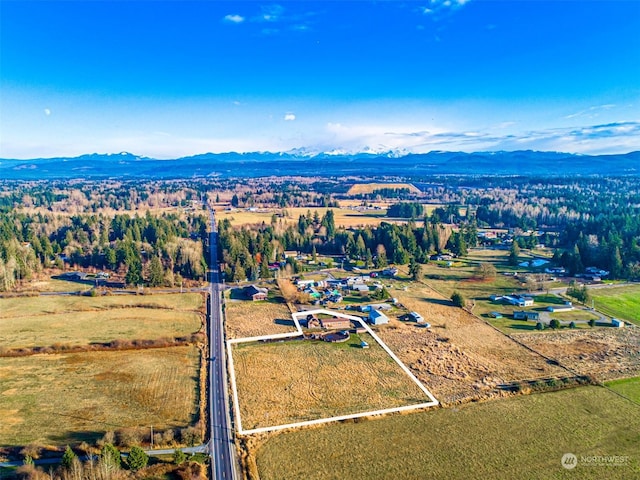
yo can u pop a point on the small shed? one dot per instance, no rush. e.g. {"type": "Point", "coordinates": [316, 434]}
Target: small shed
{"type": "Point", "coordinates": [495, 314]}
{"type": "Point", "coordinates": [416, 317]}
{"type": "Point", "coordinates": [617, 323]}
{"type": "Point", "coordinates": [364, 344]}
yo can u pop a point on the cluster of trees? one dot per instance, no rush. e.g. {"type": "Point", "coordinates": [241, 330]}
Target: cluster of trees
{"type": "Point", "coordinates": [156, 249]}
{"type": "Point", "coordinates": [406, 210]}
{"type": "Point", "coordinates": [248, 252]}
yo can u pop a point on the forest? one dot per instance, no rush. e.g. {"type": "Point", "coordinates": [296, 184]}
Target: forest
{"type": "Point", "coordinates": [152, 232]}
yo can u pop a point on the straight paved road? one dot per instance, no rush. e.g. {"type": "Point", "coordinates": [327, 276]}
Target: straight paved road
{"type": "Point", "coordinates": [223, 457]}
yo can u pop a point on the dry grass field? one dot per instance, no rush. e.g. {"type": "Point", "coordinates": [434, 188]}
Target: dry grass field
{"type": "Point", "coordinates": [69, 398]}
{"type": "Point", "coordinates": [84, 328]}
{"type": "Point", "coordinates": [295, 381]}
{"type": "Point", "coordinates": [47, 305]}
{"type": "Point", "coordinates": [251, 319]}
{"type": "Point", "coordinates": [74, 321]}
{"type": "Point", "coordinates": [605, 353]}
{"type": "Point", "coordinates": [459, 358]}
{"type": "Point", "coordinates": [518, 437]}
{"type": "Point", "coordinates": [364, 188]}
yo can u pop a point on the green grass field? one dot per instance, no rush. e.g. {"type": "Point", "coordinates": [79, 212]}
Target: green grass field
{"type": "Point", "coordinates": [518, 437]}
{"type": "Point", "coordinates": [69, 398]}
{"type": "Point", "coordinates": [629, 387]}
{"type": "Point", "coordinates": [619, 302]}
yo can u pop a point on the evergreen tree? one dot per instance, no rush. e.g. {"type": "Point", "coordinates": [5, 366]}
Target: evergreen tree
{"type": "Point", "coordinates": [110, 456]}
{"type": "Point", "coordinates": [156, 272]}
{"type": "Point", "coordinates": [137, 459]}
{"type": "Point", "coordinates": [514, 254]}
{"type": "Point", "coordinates": [68, 458]}
{"type": "Point", "coordinates": [179, 457]}
{"type": "Point", "coordinates": [415, 269]}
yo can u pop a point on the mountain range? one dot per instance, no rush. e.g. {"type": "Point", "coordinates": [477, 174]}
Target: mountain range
{"type": "Point", "coordinates": [258, 164]}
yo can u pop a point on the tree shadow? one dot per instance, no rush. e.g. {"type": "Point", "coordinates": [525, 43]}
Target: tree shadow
{"type": "Point", "coordinates": [438, 301]}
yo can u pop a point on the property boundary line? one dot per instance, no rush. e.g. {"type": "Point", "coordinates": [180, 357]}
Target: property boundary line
{"type": "Point", "coordinates": [296, 315]}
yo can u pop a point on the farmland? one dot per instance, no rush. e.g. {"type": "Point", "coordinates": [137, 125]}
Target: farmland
{"type": "Point", "coordinates": [468, 442]}
{"type": "Point", "coordinates": [620, 302]}
{"type": "Point", "coordinates": [68, 398]}
{"type": "Point", "coordinates": [365, 188]}
{"type": "Point", "coordinates": [628, 387]}
{"type": "Point", "coordinates": [250, 319]}
{"type": "Point", "coordinates": [294, 381]}
{"type": "Point", "coordinates": [460, 357]}
{"type": "Point", "coordinates": [74, 321]}
{"type": "Point", "coordinates": [605, 353]}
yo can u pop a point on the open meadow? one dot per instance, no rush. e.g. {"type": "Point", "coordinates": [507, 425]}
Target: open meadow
{"type": "Point", "coordinates": [460, 357]}
{"type": "Point", "coordinates": [628, 387]}
{"type": "Point", "coordinates": [244, 318]}
{"type": "Point", "coordinates": [75, 321]}
{"type": "Point", "coordinates": [69, 398]}
{"type": "Point", "coordinates": [519, 437]}
{"type": "Point", "coordinates": [604, 353]}
{"type": "Point", "coordinates": [619, 302]}
{"type": "Point", "coordinates": [294, 381]}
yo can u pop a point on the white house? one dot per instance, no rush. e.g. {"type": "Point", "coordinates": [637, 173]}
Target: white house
{"type": "Point", "coordinates": [376, 317]}
{"type": "Point", "coordinates": [617, 323]}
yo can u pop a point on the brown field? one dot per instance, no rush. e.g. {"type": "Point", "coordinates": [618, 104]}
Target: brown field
{"type": "Point", "coordinates": [47, 305]}
{"type": "Point", "coordinates": [519, 437]}
{"type": "Point", "coordinates": [69, 398]}
{"type": "Point", "coordinates": [460, 357]}
{"type": "Point", "coordinates": [84, 328]}
{"type": "Point", "coordinates": [245, 318]}
{"type": "Point", "coordinates": [295, 381]}
{"type": "Point", "coordinates": [605, 353]}
{"type": "Point", "coordinates": [363, 188]}
{"type": "Point", "coordinates": [74, 321]}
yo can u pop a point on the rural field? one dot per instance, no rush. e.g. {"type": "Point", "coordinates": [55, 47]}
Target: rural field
{"type": "Point", "coordinates": [245, 318]}
{"type": "Point", "coordinates": [605, 353]}
{"type": "Point", "coordinates": [69, 398]}
{"type": "Point", "coordinates": [75, 321]}
{"type": "Point", "coordinates": [47, 305]}
{"type": "Point", "coordinates": [365, 188]}
{"type": "Point", "coordinates": [295, 381]}
{"type": "Point", "coordinates": [460, 357]}
{"type": "Point", "coordinates": [468, 442]}
{"type": "Point", "coordinates": [628, 387]}
{"type": "Point", "coordinates": [619, 302]}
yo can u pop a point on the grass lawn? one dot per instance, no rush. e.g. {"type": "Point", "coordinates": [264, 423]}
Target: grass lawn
{"type": "Point", "coordinates": [629, 387]}
{"type": "Point", "coordinates": [518, 437]}
{"type": "Point", "coordinates": [69, 398]}
{"type": "Point", "coordinates": [619, 302]}
{"type": "Point", "coordinates": [296, 381]}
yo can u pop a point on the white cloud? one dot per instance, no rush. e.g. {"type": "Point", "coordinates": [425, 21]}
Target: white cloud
{"type": "Point", "coordinates": [234, 18]}
{"type": "Point", "coordinates": [591, 112]}
{"type": "Point", "coordinates": [47, 112]}
{"type": "Point", "coordinates": [289, 117]}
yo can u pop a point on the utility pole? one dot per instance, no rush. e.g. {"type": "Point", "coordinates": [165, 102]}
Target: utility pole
{"type": "Point", "coordinates": [151, 437]}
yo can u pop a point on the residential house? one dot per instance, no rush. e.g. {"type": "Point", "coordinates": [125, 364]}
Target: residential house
{"type": "Point", "coordinates": [255, 293]}
{"type": "Point", "coordinates": [524, 315]}
{"type": "Point", "coordinates": [335, 323]}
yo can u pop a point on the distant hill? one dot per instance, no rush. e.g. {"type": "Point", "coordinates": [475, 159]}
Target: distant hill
{"type": "Point", "coordinates": [126, 165]}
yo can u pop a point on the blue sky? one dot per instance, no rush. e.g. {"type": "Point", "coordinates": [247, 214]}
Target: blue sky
{"type": "Point", "coordinates": [168, 79]}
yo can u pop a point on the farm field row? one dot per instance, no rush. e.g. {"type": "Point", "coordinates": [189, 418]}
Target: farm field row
{"type": "Point", "coordinates": [69, 398]}
{"type": "Point", "coordinates": [468, 442]}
